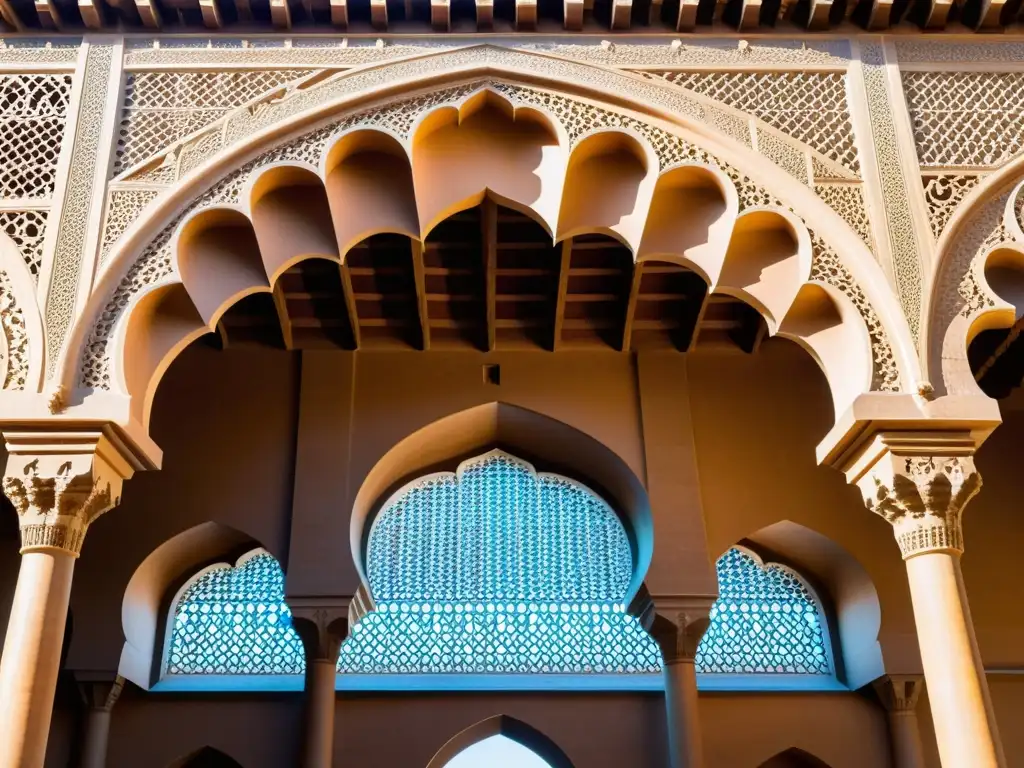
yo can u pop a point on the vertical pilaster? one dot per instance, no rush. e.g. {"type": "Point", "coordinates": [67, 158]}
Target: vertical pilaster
{"type": "Point", "coordinates": [899, 695]}
{"type": "Point", "coordinates": [78, 207]}
{"type": "Point", "coordinates": [893, 193]}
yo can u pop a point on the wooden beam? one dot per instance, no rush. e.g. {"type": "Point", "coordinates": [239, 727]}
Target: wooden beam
{"type": "Point", "coordinates": [92, 14]}
{"type": "Point", "coordinates": [441, 15]}
{"type": "Point", "coordinates": [871, 14]}
{"type": "Point", "coordinates": [281, 305]}
{"type": "Point", "coordinates": [339, 13]}
{"type": "Point", "coordinates": [526, 15]}
{"type": "Point", "coordinates": [211, 13]}
{"type": "Point", "coordinates": [10, 16]}
{"type": "Point", "coordinates": [281, 14]}
{"type": "Point", "coordinates": [937, 14]}
{"type": "Point", "coordinates": [484, 14]}
{"type": "Point", "coordinates": [819, 15]}
{"type": "Point", "coordinates": [419, 277]}
{"type": "Point", "coordinates": [350, 303]}
{"type": "Point", "coordinates": [379, 14]}
{"type": "Point", "coordinates": [622, 11]}
{"type": "Point", "coordinates": [654, 13]}
{"type": "Point", "coordinates": [634, 292]}
{"type": "Point", "coordinates": [687, 20]}
{"type": "Point", "coordinates": [489, 236]}
{"type": "Point", "coordinates": [573, 15]}
{"type": "Point", "coordinates": [563, 289]}
{"type": "Point", "coordinates": [750, 15]}
{"type": "Point", "coordinates": [48, 13]}
{"type": "Point", "coordinates": [149, 13]}
{"type": "Point", "coordinates": [989, 14]}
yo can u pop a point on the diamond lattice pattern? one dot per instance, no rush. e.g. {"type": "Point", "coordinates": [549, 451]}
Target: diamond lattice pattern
{"type": "Point", "coordinates": [234, 621]}
{"type": "Point", "coordinates": [162, 107]}
{"type": "Point", "coordinates": [765, 621]}
{"type": "Point", "coordinates": [33, 112]}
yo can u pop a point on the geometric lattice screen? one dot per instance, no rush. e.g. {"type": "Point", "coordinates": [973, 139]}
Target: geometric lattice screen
{"type": "Point", "coordinates": [496, 569]}
{"type": "Point", "coordinates": [765, 621]}
{"type": "Point", "coordinates": [234, 621]}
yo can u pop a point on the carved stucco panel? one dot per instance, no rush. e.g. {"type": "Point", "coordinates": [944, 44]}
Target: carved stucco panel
{"type": "Point", "coordinates": [154, 266]}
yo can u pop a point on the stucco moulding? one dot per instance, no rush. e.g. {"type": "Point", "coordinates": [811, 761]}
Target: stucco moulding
{"type": "Point", "coordinates": [347, 52]}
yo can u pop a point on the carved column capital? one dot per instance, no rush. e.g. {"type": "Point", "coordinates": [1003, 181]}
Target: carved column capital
{"type": "Point", "coordinates": [99, 692]}
{"type": "Point", "coordinates": [322, 624]}
{"type": "Point", "coordinates": [923, 498]}
{"type": "Point", "coordinates": [678, 625]}
{"type": "Point", "coordinates": [60, 482]}
{"type": "Point", "coordinates": [899, 693]}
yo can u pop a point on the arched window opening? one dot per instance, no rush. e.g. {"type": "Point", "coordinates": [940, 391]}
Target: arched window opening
{"type": "Point", "coordinates": [497, 571]}
{"type": "Point", "coordinates": [232, 621]}
{"type": "Point", "coordinates": [766, 623]}
{"type": "Point", "coordinates": [497, 752]}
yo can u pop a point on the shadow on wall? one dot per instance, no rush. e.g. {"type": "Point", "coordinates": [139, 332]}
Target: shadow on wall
{"type": "Point", "coordinates": [208, 757]}
{"type": "Point", "coordinates": [794, 758]}
{"type": "Point", "coordinates": [510, 728]}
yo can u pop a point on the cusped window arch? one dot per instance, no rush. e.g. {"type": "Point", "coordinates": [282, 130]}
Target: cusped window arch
{"type": "Point", "coordinates": [768, 628]}
{"type": "Point", "coordinates": [497, 570]}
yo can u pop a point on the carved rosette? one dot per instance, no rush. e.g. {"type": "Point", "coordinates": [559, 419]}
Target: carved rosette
{"type": "Point", "coordinates": [923, 498]}
{"type": "Point", "coordinates": [59, 484]}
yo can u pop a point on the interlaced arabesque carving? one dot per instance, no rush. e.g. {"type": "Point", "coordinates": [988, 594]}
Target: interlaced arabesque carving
{"type": "Point", "coordinates": [15, 337]}
{"type": "Point", "coordinates": [162, 107]}
{"type": "Point", "coordinates": [33, 112]}
{"type": "Point", "coordinates": [943, 192]}
{"type": "Point", "coordinates": [155, 265]}
{"type": "Point", "coordinates": [765, 621]}
{"type": "Point", "coordinates": [906, 263]}
{"type": "Point", "coordinates": [27, 229]}
{"type": "Point", "coordinates": [234, 621]}
{"type": "Point", "coordinates": [74, 220]}
{"type": "Point", "coordinates": [848, 201]}
{"type": "Point", "coordinates": [123, 207]}
{"type": "Point", "coordinates": [966, 118]}
{"type": "Point", "coordinates": [807, 106]}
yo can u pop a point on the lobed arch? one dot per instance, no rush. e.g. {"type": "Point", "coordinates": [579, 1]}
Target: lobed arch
{"type": "Point", "coordinates": [510, 728]}
{"type": "Point", "coordinates": [521, 431]}
{"type": "Point", "coordinates": [170, 567]}
{"type": "Point", "coordinates": [828, 314]}
{"type": "Point", "coordinates": [970, 288]}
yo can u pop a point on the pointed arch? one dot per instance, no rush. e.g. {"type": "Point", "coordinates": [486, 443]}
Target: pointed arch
{"type": "Point", "coordinates": [794, 758]}
{"type": "Point", "coordinates": [510, 728]}
{"type": "Point", "coordinates": [320, 100]}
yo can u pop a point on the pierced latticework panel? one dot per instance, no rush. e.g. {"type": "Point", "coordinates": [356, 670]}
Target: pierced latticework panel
{"type": "Point", "coordinates": [966, 118]}
{"type": "Point", "coordinates": [162, 107]}
{"type": "Point", "coordinates": [123, 207]}
{"type": "Point", "coordinates": [807, 106]}
{"type": "Point", "coordinates": [33, 112]}
{"type": "Point", "coordinates": [26, 229]}
{"type": "Point", "coordinates": [943, 193]}
{"type": "Point", "coordinates": [234, 621]}
{"type": "Point", "coordinates": [498, 570]}
{"type": "Point", "coordinates": [765, 621]}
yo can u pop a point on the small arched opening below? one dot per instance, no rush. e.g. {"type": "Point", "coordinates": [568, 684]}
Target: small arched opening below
{"type": "Point", "coordinates": [500, 742]}
{"type": "Point", "coordinates": [207, 757]}
{"type": "Point", "coordinates": [794, 758]}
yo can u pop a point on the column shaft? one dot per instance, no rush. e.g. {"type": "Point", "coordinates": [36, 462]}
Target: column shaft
{"type": "Point", "coordinates": [97, 731]}
{"type": "Point", "coordinates": [907, 751]}
{"type": "Point", "coordinates": [957, 691]}
{"type": "Point", "coordinates": [31, 655]}
{"type": "Point", "coordinates": [684, 742]}
{"type": "Point", "coordinates": [320, 699]}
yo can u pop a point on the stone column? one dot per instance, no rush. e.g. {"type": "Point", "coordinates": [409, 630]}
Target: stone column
{"type": "Point", "coordinates": [678, 629]}
{"type": "Point", "coordinates": [899, 695]}
{"type": "Point", "coordinates": [59, 483]}
{"type": "Point", "coordinates": [923, 496]}
{"type": "Point", "coordinates": [322, 623]}
{"type": "Point", "coordinates": [99, 697]}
